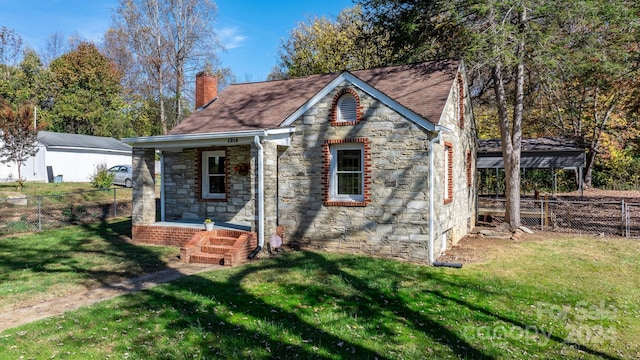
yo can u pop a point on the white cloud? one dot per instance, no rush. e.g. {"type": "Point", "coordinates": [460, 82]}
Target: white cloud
{"type": "Point", "coordinates": [230, 37]}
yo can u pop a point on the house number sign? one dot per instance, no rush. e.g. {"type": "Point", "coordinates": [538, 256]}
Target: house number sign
{"type": "Point", "coordinates": [232, 140]}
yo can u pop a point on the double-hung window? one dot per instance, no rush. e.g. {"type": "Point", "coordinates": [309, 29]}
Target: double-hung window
{"type": "Point", "coordinates": [347, 172]}
{"type": "Point", "coordinates": [214, 178]}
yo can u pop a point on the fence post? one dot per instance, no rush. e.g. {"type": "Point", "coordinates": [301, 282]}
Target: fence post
{"type": "Point", "coordinates": [39, 213]}
{"type": "Point", "coordinates": [542, 217]}
{"type": "Point", "coordinates": [627, 219]}
{"type": "Point", "coordinates": [623, 218]}
{"type": "Point", "coordinates": [114, 203]}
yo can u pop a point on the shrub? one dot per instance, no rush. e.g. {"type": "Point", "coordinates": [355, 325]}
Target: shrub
{"type": "Point", "coordinates": [102, 178]}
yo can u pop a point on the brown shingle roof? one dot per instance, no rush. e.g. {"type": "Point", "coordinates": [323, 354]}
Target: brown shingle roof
{"type": "Point", "coordinates": [422, 88]}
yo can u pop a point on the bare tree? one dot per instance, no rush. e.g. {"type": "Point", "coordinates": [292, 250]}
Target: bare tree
{"type": "Point", "coordinates": [10, 46]}
{"type": "Point", "coordinates": [54, 47]}
{"type": "Point", "coordinates": [168, 38]}
{"type": "Point", "coordinates": [192, 42]}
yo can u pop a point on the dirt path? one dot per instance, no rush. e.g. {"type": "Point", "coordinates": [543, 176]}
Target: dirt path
{"type": "Point", "coordinates": [70, 302]}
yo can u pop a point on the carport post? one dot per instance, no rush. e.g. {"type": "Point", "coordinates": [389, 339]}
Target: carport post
{"type": "Point", "coordinates": [542, 215]}
{"type": "Point", "coordinates": [114, 203]}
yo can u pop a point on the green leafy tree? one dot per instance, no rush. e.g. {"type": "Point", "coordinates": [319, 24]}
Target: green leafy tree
{"type": "Point", "coordinates": [589, 76]}
{"type": "Point", "coordinates": [496, 39]}
{"type": "Point", "coordinates": [322, 45]}
{"type": "Point", "coordinates": [19, 136]}
{"type": "Point", "coordinates": [10, 51]}
{"type": "Point", "coordinates": [87, 98]}
{"type": "Point", "coordinates": [579, 60]}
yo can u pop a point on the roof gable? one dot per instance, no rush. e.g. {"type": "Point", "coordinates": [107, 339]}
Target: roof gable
{"type": "Point", "coordinates": [418, 91]}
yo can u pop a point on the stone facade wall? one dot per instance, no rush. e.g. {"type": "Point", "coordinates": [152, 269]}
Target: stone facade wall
{"type": "Point", "coordinates": [144, 190]}
{"type": "Point", "coordinates": [182, 191]}
{"type": "Point", "coordinates": [457, 218]}
{"type": "Point", "coordinates": [395, 221]}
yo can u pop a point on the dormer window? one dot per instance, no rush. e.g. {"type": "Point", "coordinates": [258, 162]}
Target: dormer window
{"type": "Point", "coordinates": [346, 108]}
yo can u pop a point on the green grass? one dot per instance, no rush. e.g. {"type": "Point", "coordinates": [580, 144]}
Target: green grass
{"type": "Point", "coordinates": [48, 264]}
{"type": "Point", "coordinates": [571, 297]}
{"type": "Point", "coordinates": [76, 191]}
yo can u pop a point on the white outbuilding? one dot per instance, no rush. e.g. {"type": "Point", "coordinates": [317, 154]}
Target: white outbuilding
{"type": "Point", "coordinates": [68, 158]}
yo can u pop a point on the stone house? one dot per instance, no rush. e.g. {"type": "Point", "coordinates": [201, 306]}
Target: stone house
{"type": "Point", "coordinates": [378, 161]}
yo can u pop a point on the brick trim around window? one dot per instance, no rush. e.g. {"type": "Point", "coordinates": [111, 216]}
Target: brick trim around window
{"type": "Point", "coordinates": [199, 174]}
{"type": "Point", "coordinates": [334, 108]}
{"type": "Point", "coordinates": [448, 164]}
{"type": "Point", "coordinates": [326, 172]}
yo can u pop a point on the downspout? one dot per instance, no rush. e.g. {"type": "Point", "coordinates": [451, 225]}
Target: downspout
{"type": "Point", "coordinates": [431, 195]}
{"type": "Point", "coordinates": [260, 198]}
{"type": "Point", "coordinates": [162, 211]}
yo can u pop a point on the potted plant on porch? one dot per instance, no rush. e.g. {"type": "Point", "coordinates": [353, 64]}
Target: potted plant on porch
{"type": "Point", "coordinates": [208, 224]}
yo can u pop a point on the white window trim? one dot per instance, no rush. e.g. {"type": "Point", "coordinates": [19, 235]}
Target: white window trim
{"type": "Point", "coordinates": [340, 117]}
{"type": "Point", "coordinates": [333, 168]}
{"type": "Point", "coordinates": [205, 174]}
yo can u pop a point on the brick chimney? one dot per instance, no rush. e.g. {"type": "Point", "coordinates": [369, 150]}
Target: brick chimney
{"type": "Point", "coordinates": [206, 88]}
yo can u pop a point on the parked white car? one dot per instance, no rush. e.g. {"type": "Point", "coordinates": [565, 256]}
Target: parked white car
{"type": "Point", "coordinates": [123, 175]}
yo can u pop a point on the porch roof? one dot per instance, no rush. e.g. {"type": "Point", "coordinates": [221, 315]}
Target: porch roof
{"type": "Point", "coordinates": [230, 138]}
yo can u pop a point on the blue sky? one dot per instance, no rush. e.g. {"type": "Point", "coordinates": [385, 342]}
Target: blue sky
{"type": "Point", "coordinates": [251, 30]}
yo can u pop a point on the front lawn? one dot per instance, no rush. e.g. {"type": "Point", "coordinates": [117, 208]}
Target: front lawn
{"type": "Point", "coordinates": [42, 266]}
{"type": "Point", "coordinates": [569, 297]}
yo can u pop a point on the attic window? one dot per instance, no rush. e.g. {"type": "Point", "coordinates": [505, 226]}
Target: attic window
{"type": "Point", "coordinates": [346, 108]}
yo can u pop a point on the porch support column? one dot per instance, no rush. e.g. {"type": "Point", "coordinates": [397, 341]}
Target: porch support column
{"type": "Point", "coordinates": [270, 188]}
{"type": "Point", "coordinates": [144, 189]}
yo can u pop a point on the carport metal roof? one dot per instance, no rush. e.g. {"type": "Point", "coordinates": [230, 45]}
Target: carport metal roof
{"type": "Point", "coordinates": [537, 153]}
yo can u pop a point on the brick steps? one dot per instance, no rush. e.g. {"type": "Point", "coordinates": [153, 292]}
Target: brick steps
{"type": "Point", "coordinates": [221, 247]}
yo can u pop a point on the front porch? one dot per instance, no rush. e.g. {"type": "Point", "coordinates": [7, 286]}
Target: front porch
{"type": "Point", "coordinates": [230, 179]}
{"type": "Point", "coordinates": [227, 244]}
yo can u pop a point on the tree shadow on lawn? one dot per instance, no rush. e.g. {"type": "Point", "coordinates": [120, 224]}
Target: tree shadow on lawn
{"type": "Point", "coordinates": [134, 260]}
{"type": "Point", "coordinates": [377, 310]}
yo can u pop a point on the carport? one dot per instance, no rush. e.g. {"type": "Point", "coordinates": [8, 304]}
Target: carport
{"type": "Point", "coordinates": [537, 153]}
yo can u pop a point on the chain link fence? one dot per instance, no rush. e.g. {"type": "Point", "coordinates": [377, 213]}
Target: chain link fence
{"type": "Point", "coordinates": [37, 213]}
{"type": "Point", "coordinates": [597, 217]}
{"type": "Point", "coordinates": [632, 220]}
